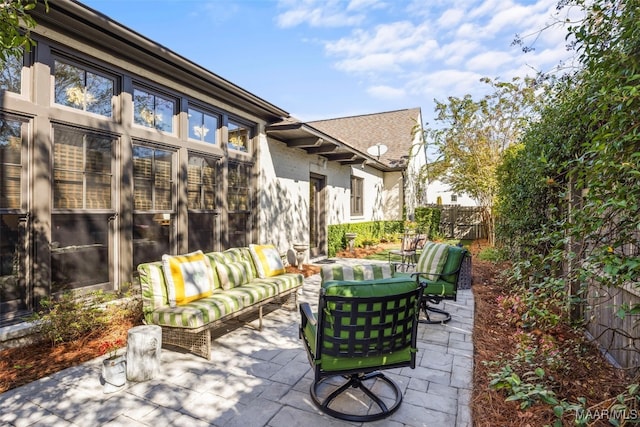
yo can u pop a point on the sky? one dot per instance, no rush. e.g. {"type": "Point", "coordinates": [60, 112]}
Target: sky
{"type": "Point", "coordinates": [321, 59]}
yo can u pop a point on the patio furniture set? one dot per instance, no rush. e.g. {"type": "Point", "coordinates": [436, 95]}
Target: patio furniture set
{"type": "Point", "coordinates": [365, 323]}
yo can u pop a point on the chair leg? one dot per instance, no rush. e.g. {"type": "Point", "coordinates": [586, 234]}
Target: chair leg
{"type": "Point", "coordinates": [357, 381]}
{"type": "Point", "coordinates": [443, 316]}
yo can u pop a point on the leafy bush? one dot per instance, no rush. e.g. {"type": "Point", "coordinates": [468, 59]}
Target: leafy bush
{"type": "Point", "coordinates": [70, 317]}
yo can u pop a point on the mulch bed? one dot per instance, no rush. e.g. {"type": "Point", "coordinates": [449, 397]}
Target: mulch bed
{"type": "Point", "coordinates": [588, 375]}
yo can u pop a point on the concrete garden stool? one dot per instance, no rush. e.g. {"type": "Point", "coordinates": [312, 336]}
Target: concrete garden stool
{"type": "Point", "coordinates": [143, 352]}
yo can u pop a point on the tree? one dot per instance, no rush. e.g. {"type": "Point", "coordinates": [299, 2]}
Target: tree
{"type": "Point", "coordinates": [15, 27]}
{"type": "Point", "coordinates": [474, 135]}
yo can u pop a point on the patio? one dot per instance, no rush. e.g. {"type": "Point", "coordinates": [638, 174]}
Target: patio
{"type": "Point", "coordinates": [254, 379]}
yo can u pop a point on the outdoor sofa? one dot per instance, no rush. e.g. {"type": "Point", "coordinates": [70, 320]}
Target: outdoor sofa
{"type": "Point", "coordinates": [188, 295]}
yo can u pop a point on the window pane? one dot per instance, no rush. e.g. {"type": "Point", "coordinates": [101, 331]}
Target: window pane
{"type": "Point", "coordinates": [13, 289]}
{"type": "Point", "coordinates": [78, 88]}
{"type": "Point", "coordinates": [11, 74]}
{"type": "Point", "coordinates": [153, 111]}
{"type": "Point", "coordinates": [67, 190]}
{"type": "Point", "coordinates": [142, 161]}
{"type": "Point", "coordinates": [143, 195]}
{"type": "Point", "coordinates": [196, 121]}
{"type": "Point", "coordinates": [81, 170]}
{"type": "Point", "coordinates": [69, 85]}
{"type": "Point", "coordinates": [152, 178]}
{"type": "Point", "coordinates": [98, 94]}
{"type": "Point", "coordinates": [151, 237]}
{"type": "Point", "coordinates": [98, 191]}
{"type": "Point", "coordinates": [202, 233]}
{"type": "Point", "coordinates": [98, 154]}
{"type": "Point", "coordinates": [202, 127]}
{"type": "Point", "coordinates": [80, 250]}
{"type": "Point", "coordinates": [201, 182]}
{"type": "Point", "coordinates": [143, 108]}
{"type": "Point", "coordinates": [10, 163]}
{"type": "Point", "coordinates": [164, 114]}
{"type": "Point", "coordinates": [238, 137]}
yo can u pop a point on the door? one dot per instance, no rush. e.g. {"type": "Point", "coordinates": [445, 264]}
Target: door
{"type": "Point", "coordinates": [317, 215]}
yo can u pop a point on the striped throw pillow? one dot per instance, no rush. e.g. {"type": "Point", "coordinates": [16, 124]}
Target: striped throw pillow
{"type": "Point", "coordinates": [267, 260]}
{"type": "Point", "coordinates": [233, 274]}
{"type": "Point", "coordinates": [355, 272]}
{"type": "Point", "coordinates": [189, 277]}
{"type": "Point", "coordinates": [432, 260]}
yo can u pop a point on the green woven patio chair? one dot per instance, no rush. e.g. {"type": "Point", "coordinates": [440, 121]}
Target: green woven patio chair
{"type": "Point", "coordinates": [361, 328]}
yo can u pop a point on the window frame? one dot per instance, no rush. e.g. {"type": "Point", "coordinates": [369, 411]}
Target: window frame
{"type": "Point", "coordinates": [357, 196]}
{"type": "Point", "coordinates": [156, 94]}
{"type": "Point", "coordinates": [205, 113]}
{"type": "Point", "coordinates": [84, 171]}
{"type": "Point", "coordinates": [240, 124]}
{"type": "Point", "coordinates": [86, 67]}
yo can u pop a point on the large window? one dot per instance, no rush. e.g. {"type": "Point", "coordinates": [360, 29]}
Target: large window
{"type": "Point", "coordinates": [80, 88]}
{"type": "Point", "coordinates": [202, 126]}
{"type": "Point", "coordinates": [83, 209]}
{"type": "Point", "coordinates": [356, 195]}
{"type": "Point", "coordinates": [239, 136]}
{"type": "Point", "coordinates": [82, 175]}
{"type": "Point", "coordinates": [11, 73]}
{"type": "Point", "coordinates": [201, 187]}
{"type": "Point", "coordinates": [153, 110]}
{"type": "Point", "coordinates": [153, 203]}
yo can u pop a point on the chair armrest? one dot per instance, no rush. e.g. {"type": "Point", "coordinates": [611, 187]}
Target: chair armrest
{"type": "Point", "coordinates": [306, 315]}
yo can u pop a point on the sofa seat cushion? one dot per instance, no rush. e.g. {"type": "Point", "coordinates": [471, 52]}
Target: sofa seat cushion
{"type": "Point", "coordinates": [436, 288]}
{"type": "Point", "coordinates": [223, 303]}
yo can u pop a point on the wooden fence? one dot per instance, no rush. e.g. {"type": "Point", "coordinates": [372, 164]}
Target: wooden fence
{"type": "Point", "coordinates": [618, 336]}
{"type": "Point", "coordinates": [461, 222]}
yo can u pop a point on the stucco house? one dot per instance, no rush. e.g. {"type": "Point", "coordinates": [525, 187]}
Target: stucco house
{"type": "Point", "coordinates": [115, 150]}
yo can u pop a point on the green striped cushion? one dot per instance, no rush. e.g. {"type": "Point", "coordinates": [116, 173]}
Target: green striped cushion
{"type": "Point", "coordinates": [355, 272]}
{"type": "Point", "coordinates": [432, 259]}
{"type": "Point", "coordinates": [152, 283]}
{"type": "Point", "coordinates": [223, 303]}
{"type": "Point", "coordinates": [232, 274]}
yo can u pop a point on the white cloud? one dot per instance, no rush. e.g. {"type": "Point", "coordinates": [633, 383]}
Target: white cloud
{"type": "Point", "coordinates": [386, 92]}
{"type": "Point", "coordinates": [489, 61]}
{"type": "Point", "coordinates": [323, 13]}
{"type": "Point", "coordinates": [417, 49]}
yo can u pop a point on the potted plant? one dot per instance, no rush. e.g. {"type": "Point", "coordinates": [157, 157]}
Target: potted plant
{"type": "Point", "coordinates": [114, 369]}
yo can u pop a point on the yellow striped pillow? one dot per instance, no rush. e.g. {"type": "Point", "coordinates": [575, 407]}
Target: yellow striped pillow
{"type": "Point", "coordinates": [189, 277]}
{"type": "Point", "coordinates": [267, 260]}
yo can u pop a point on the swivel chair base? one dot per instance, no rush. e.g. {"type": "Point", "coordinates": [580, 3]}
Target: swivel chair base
{"type": "Point", "coordinates": [441, 318]}
{"type": "Point", "coordinates": [357, 381]}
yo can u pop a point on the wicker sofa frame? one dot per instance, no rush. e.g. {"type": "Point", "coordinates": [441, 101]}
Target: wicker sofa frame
{"type": "Point", "coordinates": [189, 326]}
{"type": "Point", "coordinates": [198, 340]}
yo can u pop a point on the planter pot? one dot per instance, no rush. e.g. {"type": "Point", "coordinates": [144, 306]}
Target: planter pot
{"type": "Point", "coordinates": [114, 373]}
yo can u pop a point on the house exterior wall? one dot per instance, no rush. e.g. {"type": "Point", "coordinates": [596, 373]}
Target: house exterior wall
{"type": "Point", "coordinates": [393, 195]}
{"type": "Point", "coordinates": [283, 194]}
{"type": "Point", "coordinates": [440, 189]}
